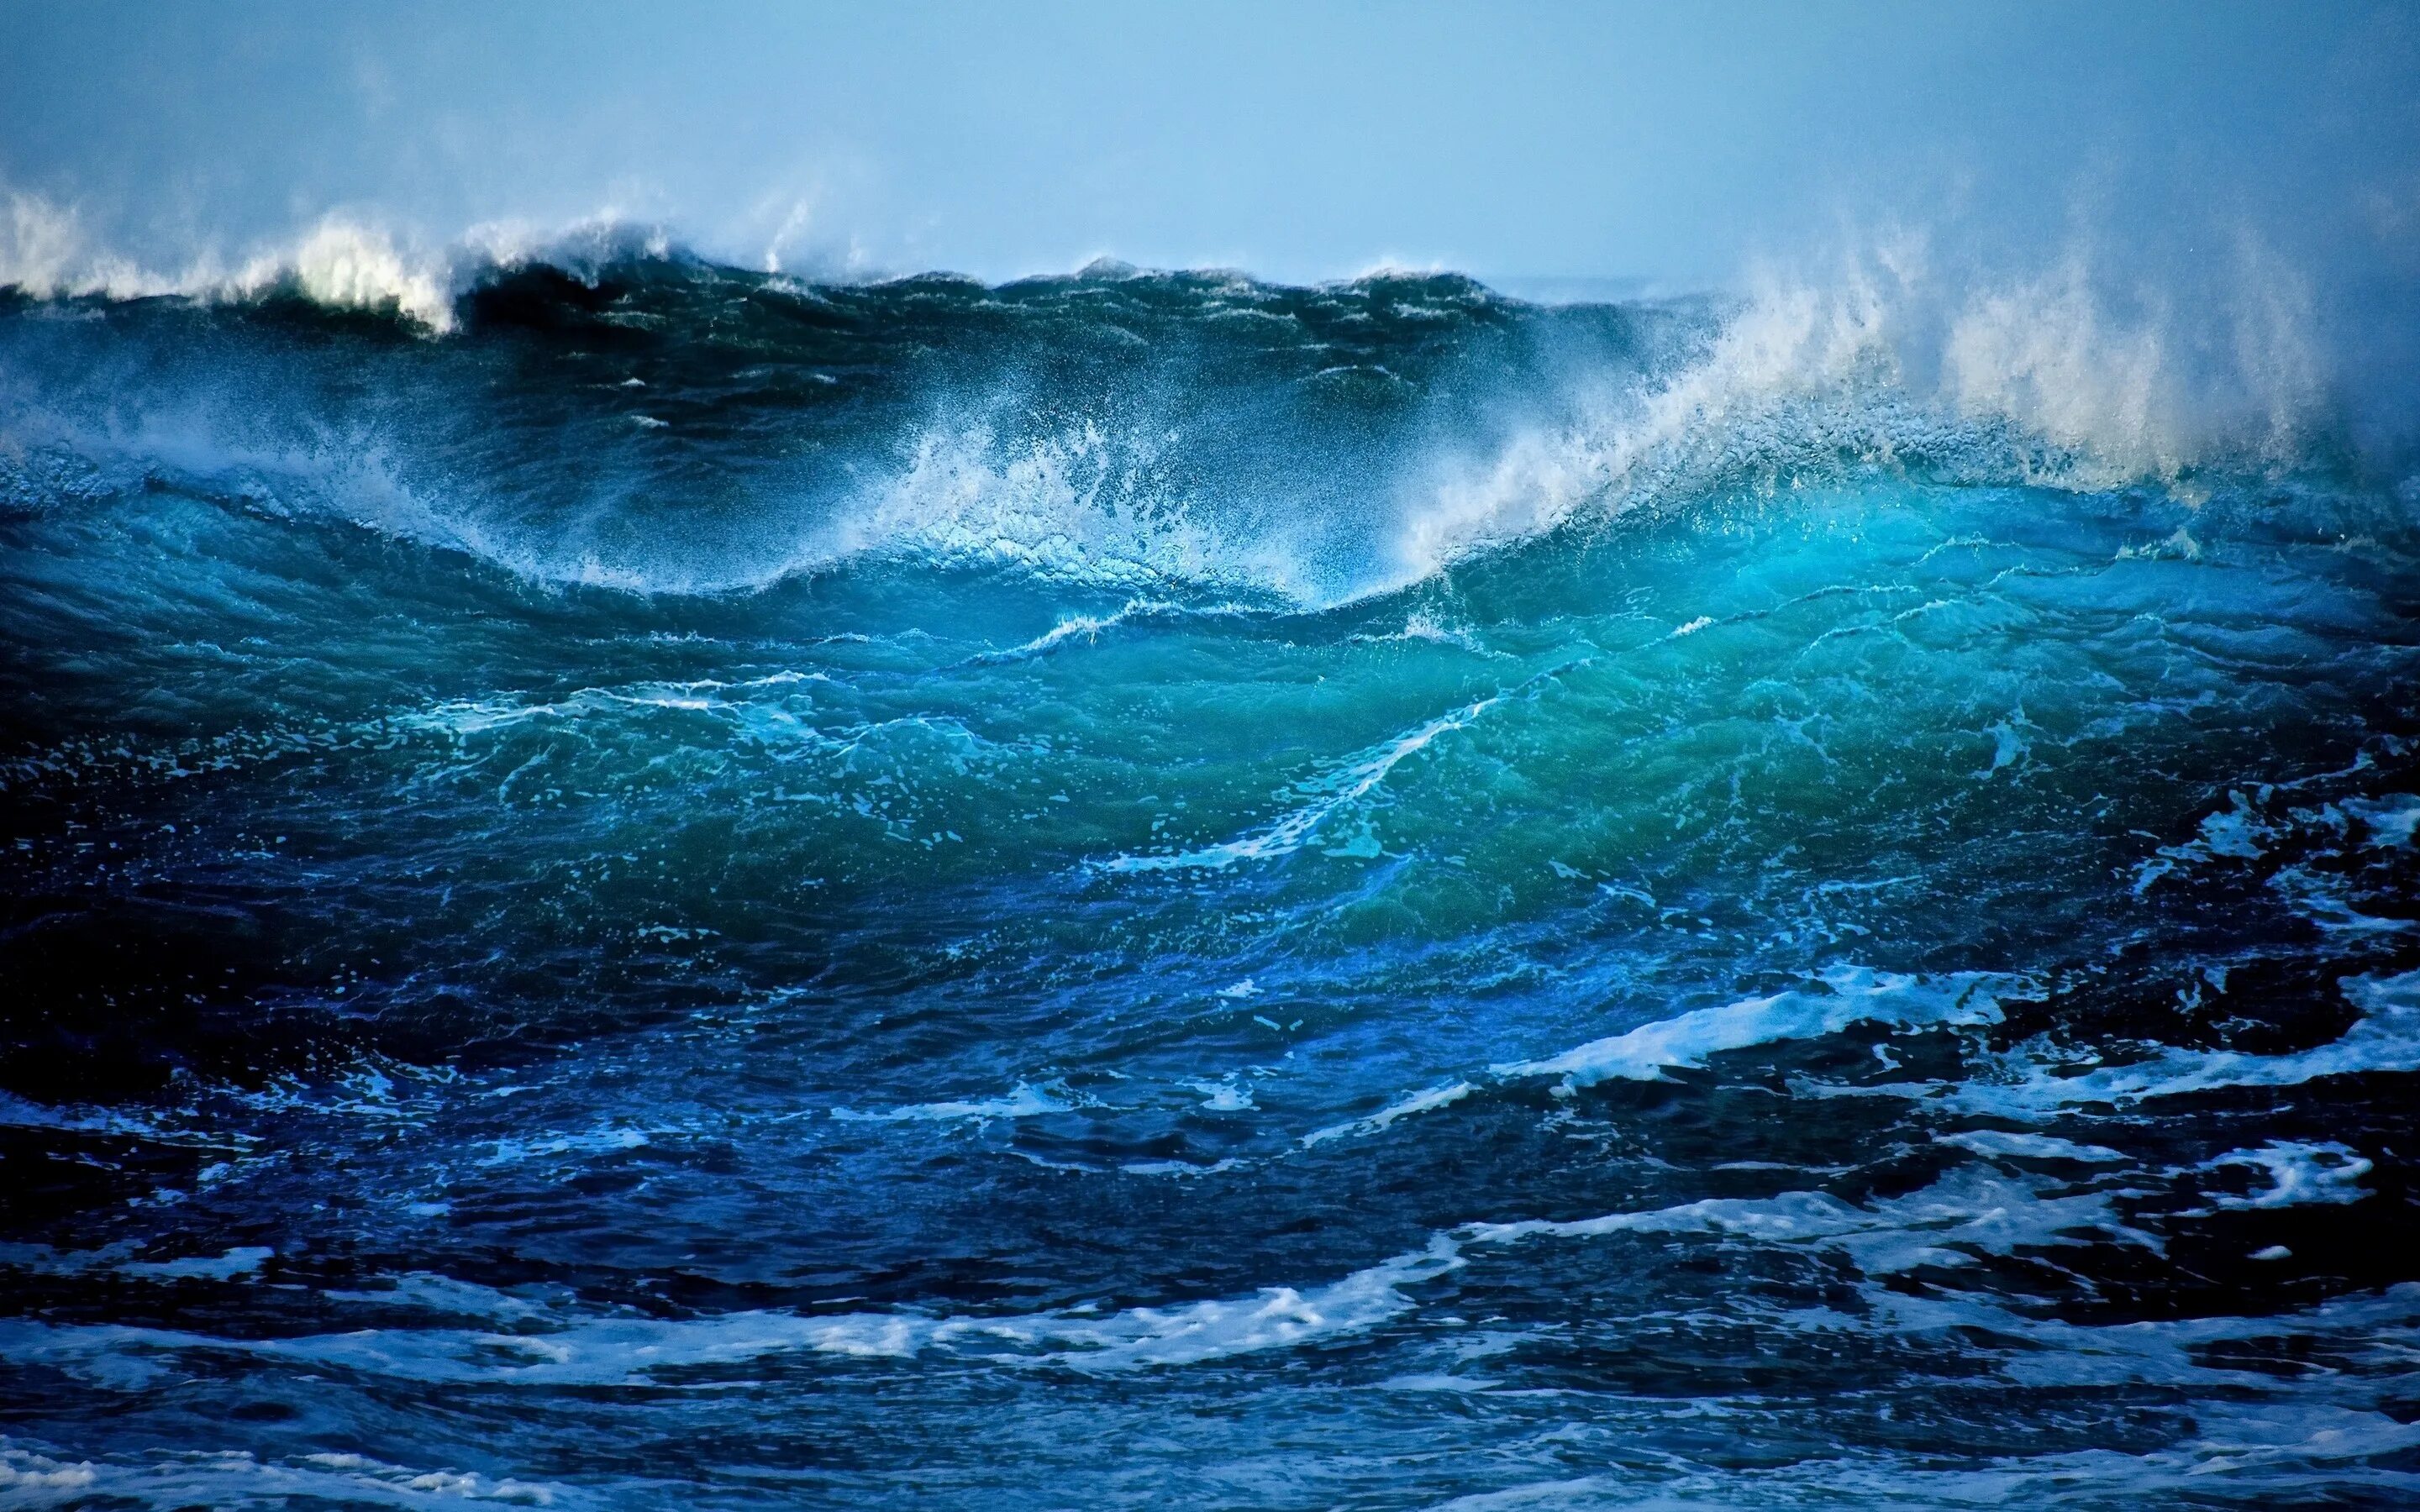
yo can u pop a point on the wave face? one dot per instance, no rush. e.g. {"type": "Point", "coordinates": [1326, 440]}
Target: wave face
{"type": "Point", "coordinates": [634, 884]}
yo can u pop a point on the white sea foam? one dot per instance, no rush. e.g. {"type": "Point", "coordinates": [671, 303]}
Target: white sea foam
{"type": "Point", "coordinates": [1378, 1122]}
{"type": "Point", "coordinates": [1350, 782]}
{"type": "Point", "coordinates": [1847, 995]}
{"type": "Point", "coordinates": [468, 718]}
{"type": "Point", "coordinates": [2297, 1172]}
{"type": "Point", "coordinates": [1969, 1209]}
{"type": "Point", "coordinates": [1087, 625]}
{"type": "Point", "coordinates": [33, 1480]}
{"type": "Point", "coordinates": [513, 1151]}
{"type": "Point", "coordinates": [345, 265]}
{"type": "Point", "coordinates": [1073, 504]}
{"type": "Point", "coordinates": [235, 1477]}
{"type": "Point", "coordinates": [2030, 1146]}
{"type": "Point", "coordinates": [1224, 1096]}
{"type": "Point", "coordinates": [2391, 820]}
{"type": "Point", "coordinates": [1090, 628]}
{"type": "Point", "coordinates": [613, 1350]}
{"type": "Point", "coordinates": [2385, 1039]}
{"type": "Point", "coordinates": [2045, 372]}
{"type": "Point", "coordinates": [2269, 1452]}
{"type": "Point", "coordinates": [1023, 1102]}
{"type": "Point", "coordinates": [426, 1290]}
{"type": "Point", "coordinates": [45, 251]}
{"type": "Point", "coordinates": [245, 1261]}
{"type": "Point", "coordinates": [342, 262]}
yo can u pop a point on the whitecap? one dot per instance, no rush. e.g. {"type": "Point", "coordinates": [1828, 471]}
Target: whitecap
{"type": "Point", "coordinates": [1847, 995]}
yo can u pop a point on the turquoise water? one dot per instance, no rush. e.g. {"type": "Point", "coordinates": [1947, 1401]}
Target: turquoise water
{"type": "Point", "coordinates": [701, 891]}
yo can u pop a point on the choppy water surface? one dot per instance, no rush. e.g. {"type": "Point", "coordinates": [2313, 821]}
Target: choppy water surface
{"type": "Point", "coordinates": [1144, 889]}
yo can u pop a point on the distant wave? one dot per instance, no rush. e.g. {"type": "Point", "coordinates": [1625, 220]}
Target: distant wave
{"type": "Point", "coordinates": [343, 262]}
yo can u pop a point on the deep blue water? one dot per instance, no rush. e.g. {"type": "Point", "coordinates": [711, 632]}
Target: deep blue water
{"type": "Point", "coordinates": [1137, 890]}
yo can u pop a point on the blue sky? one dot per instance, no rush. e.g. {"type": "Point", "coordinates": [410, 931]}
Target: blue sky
{"type": "Point", "coordinates": [1662, 142]}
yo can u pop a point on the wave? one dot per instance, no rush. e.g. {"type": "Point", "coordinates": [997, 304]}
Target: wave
{"type": "Point", "coordinates": [1142, 432]}
{"type": "Point", "coordinates": [1847, 995]}
{"type": "Point", "coordinates": [1974, 1211]}
{"type": "Point", "coordinates": [346, 261]}
{"type": "Point", "coordinates": [237, 1478]}
{"type": "Point", "coordinates": [340, 264]}
{"type": "Point", "coordinates": [2038, 379]}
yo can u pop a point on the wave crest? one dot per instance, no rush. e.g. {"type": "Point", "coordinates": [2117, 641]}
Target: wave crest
{"type": "Point", "coordinates": [340, 262]}
{"type": "Point", "coordinates": [2053, 376]}
{"type": "Point", "coordinates": [1126, 430]}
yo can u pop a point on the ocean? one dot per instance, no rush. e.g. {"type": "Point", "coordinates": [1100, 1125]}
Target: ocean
{"type": "Point", "coordinates": [637, 884]}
